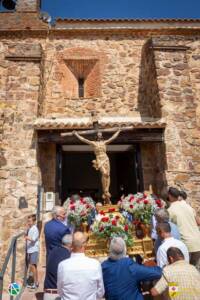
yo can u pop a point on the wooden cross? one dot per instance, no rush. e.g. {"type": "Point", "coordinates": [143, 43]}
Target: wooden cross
{"type": "Point", "coordinates": [96, 128]}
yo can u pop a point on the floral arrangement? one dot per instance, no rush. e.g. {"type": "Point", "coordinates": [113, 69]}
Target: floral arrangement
{"type": "Point", "coordinates": [141, 206]}
{"type": "Point", "coordinates": [111, 225]}
{"type": "Point", "coordinates": [80, 210]}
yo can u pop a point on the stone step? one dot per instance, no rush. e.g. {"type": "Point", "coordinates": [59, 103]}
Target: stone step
{"type": "Point", "coordinates": [29, 294]}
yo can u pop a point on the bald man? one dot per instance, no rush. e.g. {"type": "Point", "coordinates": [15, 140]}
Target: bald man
{"type": "Point", "coordinates": [80, 277]}
{"type": "Point", "coordinates": [55, 229]}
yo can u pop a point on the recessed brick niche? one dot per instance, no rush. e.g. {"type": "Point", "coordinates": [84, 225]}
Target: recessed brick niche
{"type": "Point", "coordinates": [81, 64]}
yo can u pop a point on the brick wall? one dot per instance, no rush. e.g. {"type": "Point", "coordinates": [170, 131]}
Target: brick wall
{"type": "Point", "coordinates": [76, 63]}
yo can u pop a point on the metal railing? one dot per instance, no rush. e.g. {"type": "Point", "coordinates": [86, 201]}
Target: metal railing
{"type": "Point", "coordinates": [12, 253]}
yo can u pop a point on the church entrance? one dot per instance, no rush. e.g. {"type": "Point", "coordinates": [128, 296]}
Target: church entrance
{"type": "Point", "coordinates": [76, 175]}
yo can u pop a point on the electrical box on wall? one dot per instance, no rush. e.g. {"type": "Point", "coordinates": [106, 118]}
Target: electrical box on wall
{"type": "Point", "coordinates": [49, 201]}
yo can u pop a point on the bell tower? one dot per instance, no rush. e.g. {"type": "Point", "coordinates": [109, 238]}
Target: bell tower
{"type": "Point", "coordinates": [28, 5]}
{"type": "Point", "coordinates": [22, 15]}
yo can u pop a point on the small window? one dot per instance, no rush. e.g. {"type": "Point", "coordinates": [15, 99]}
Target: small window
{"type": "Point", "coordinates": [81, 87]}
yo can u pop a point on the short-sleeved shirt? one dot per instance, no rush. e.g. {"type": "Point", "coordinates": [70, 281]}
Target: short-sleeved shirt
{"type": "Point", "coordinates": [161, 256]}
{"type": "Point", "coordinates": [33, 234]}
{"type": "Point", "coordinates": [183, 278]}
{"type": "Point", "coordinates": [174, 233]}
{"type": "Point", "coordinates": [183, 215]}
{"type": "Point", "coordinates": [122, 278]}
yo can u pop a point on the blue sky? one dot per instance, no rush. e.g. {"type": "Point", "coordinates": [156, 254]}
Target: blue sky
{"type": "Point", "coordinates": [122, 8]}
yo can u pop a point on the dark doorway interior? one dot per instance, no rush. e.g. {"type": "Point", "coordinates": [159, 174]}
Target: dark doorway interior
{"type": "Point", "coordinates": [77, 174]}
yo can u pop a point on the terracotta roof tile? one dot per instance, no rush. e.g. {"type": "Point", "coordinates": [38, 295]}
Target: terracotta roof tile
{"type": "Point", "coordinates": [108, 122]}
{"type": "Point", "coordinates": [128, 20]}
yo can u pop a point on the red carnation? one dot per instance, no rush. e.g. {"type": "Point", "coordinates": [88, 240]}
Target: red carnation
{"type": "Point", "coordinates": [117, 217]}
{"type": "Point", "coordinates": [102, 213]}
{"type": "Point", "coordinates": [132, 198]}
{"type": "Point", "coordinates": [105, 219]}
{"type": "Point", "coordinates": [131, 206]}
{"type": "Point", "coordinates": [101, 229]}
{"type": "Point", "coordinates": [72, 207]}
{"type": "Point", "coordinates": [144, 195]}
{"type": "Point", "coordinates": [138, 200]}
{"type": "Point", "coordinates": [114, 222]}
{"type": "Point", "coordinates": [159, 203]}
{"type": "Point", "coordinates": [146, 201]}
{"type": "Point", "coordinates": [111, 210]}
{"type": "Point", "coordinates": [126, 227]}
{"type": "Point", "coordinates": [87, 206]}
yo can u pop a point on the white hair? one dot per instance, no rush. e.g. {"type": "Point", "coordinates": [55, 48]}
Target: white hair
{"type": "Point", "coordinates": [67, 240]}
{"type": "Point", "coordinates": [117, 248]}
{"type": "Point", "coordinates": [56, 210]}
{"type": "Point", "coordinates": [162, 215]}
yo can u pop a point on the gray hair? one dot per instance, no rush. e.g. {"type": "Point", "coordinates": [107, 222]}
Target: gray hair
{"type": "Point", "coordinates": [56, 210]}
{"type": "Point", "coordinates": [117, 248]}
{"type": "Point", "coordinates": [162, 215]}
{"type": "Point", "coordinates": [67, 240]}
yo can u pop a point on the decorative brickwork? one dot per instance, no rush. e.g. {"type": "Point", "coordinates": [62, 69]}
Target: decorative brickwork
{"type": "Point", "coordinates": [80, 63]}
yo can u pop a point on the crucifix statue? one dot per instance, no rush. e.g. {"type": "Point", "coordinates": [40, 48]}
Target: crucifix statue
{"type": "Point", "coordinates": [101, 162]}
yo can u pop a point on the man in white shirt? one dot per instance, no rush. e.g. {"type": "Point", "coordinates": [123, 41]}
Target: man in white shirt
{"type": "Point", "coordinates": [80, 277]}
{"type": "Point", "coordinates": [164, 232]}
{"type": "Point", "coordinates": [184, 216]}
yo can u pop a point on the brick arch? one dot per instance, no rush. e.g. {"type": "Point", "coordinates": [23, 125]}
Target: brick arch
{"type": "Point", "coordinates": [74, 63]}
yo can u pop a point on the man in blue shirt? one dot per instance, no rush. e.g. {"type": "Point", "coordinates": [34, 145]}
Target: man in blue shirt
{"type": "Point", "coordinates": [57, 255]}
{"type": "Point", "coordinates": [122, 276]}
{"type": "Point", "coordinates": [55, 229]}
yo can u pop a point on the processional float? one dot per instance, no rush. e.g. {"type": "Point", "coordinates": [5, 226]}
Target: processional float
{"type": "Point", "coordinates": [99, 247]}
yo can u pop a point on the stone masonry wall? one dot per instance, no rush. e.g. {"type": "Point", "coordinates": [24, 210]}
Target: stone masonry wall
{"type": "Point", "coordinates": [119, 77]}
{"type": "Point", "coordinates": [148, 94]}
{"type": "Point", "coordinates": [169, 76]}
{"type": "Point", "coordinates": [19, 174]}
{"type": "Point", "coordinates": [179, 109]}
{"type": "Point", "coordinates": [135, 77]}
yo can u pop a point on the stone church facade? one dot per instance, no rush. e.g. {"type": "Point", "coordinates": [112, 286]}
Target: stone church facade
{"type": "Point", "coordinates": [139, 73]}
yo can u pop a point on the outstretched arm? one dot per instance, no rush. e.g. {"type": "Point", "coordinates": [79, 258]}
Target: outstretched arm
{"type": "Point", "coordinates": [115, 135]}
{"type": "Point", "coordinates": [82, 139]}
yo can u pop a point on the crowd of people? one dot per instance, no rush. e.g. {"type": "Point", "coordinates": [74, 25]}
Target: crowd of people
{"type": "Point", "coordinates": [71, 275]}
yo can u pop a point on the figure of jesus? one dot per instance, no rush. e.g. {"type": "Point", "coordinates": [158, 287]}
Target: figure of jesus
{"type": "Point", "coordinates": [102, 162]}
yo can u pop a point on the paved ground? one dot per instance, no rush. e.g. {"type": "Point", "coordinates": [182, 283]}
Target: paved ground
{"type": "Point", "coordinates": [37, 294]}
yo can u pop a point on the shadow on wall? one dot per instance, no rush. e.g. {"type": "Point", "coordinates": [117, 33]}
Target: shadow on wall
{"type": "Point", "coordinates": [148, 93]}
{"type": "Point", "coordinates": [154, 167]}
{"type": "Point", "coordinates": [149, 106]}
{"type": "Point", "coordinates": [3, 161]}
